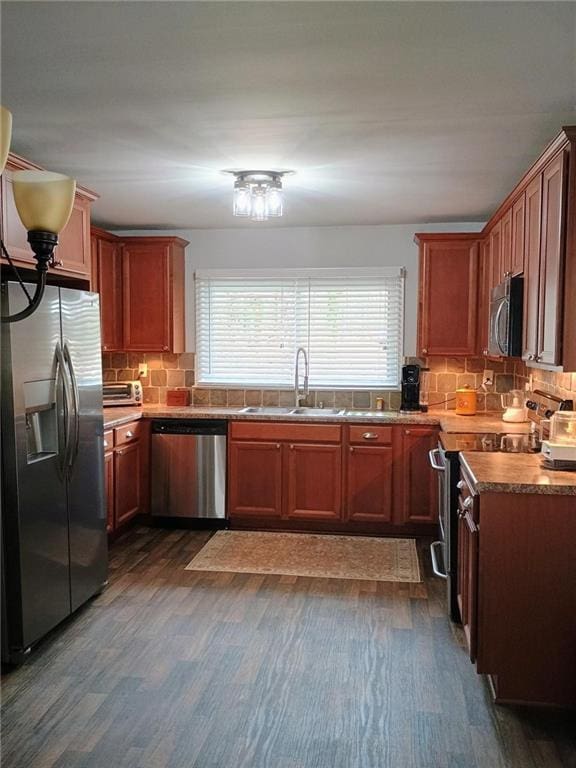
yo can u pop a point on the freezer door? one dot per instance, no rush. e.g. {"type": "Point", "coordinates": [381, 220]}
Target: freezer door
{"type": "Point", "coordinates": [86, 507]}
{"type": "Point", "coordinates": [35, 521]}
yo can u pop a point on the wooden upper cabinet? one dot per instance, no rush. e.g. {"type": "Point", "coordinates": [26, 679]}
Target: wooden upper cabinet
{"type": "Point", "coordinates": [73, 254]}
{"type": "Point", "coordinates": [107, 280]}
{"type": "Point", "coordinates": [552, 262]}
{"type": "Point", "coordinates": [532, 230]}
{"type": "Point", "coordinates": [448, 297]}
{"type": "Point", "coordinates": [496, 253]}
{"type": "Point", "coordinates": [518, 235]}
{"type": "Point", "coordinates": [153, 294]}
{"type": "Point", "coordinates": [484, 296]}
{"type": "Point", "coordinates": [506, 247]}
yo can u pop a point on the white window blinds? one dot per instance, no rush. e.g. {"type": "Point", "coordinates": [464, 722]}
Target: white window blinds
{"type": "Point", "coordinates": [250, 323]}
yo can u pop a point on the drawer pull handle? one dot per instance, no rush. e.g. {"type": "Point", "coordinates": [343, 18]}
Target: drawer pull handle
{"type": "Point", "coordinates": [129, 434]}
{"type": "Point", "coordinates": [370, 436]}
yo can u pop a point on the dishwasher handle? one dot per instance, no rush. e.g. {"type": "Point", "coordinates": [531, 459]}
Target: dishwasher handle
{"type": "Point", "coordinates": [189, 427]}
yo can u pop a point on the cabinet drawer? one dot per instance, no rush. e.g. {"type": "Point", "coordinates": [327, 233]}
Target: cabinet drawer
{"type": "Point", "coordinates": [317, 433]}
{"type": "Point", "coordinates": [127, 433]}
{"type": "Point", "coordinates": [370, 435]}
{"type": "Point", "coordinates": [108, 440]}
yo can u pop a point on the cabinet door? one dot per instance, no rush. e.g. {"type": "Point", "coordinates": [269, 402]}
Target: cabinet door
{"type": "Point", "coordinates": [518, 217]}
{"type": "Point", "coordinates": [72, 254]}
{"type": "Point", "coordinates": [448, 298]}
{"type": "Point", "coordinates": [484, 303]}
{"type": "Point", "coordinates": [467, 580]}
{"type": "Point", "coordinates": [369, 484]}
{"type": "Point", "coordinates": [109, 489]}
{"type": "Point", "coordinates": [420, 487]}
{"type": "Point", "coordinates": [496, 253]}
{"type": "Point", "coordinates": [533, 220]}
{"type": "Point", "coordinates": [254, 479]}
{"type": "Point", "coordinates": [551, 262]}
{"type": "Point", "coordinates": [127, 482]}
{"type": "Point", "coordinates": [506, 250]}
{"type": "Point", "coordinates": [110, 287]}
{"type": "Point", "coordinates": [147, 297]}
{"type": "Point", "coordinates": [314, 481]}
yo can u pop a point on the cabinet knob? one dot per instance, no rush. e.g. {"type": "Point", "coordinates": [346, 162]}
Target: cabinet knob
{"type": "Point", "coordinates": [104, 346]}
{"type": "Point", "coordinates": [291, 447]}
{"type": "Point", "coordinates": [56, 263]}
{"type": "Point", "coordinates": [105, 443]}
{"type": "Point", "coordinates": [351, 450]}
{"type": "Point", "coordinates": [424, 351]}
{"type": "Point", "coordinates": [120, 453]}
{"type": "Point", "coordinates": [278, 445]}
{"type": "Point", "coordinates": [129, 434]}
{"type": "Point", "coordinates": [407, 432]}
{"type": "Point", "coordinates": [165, 348]}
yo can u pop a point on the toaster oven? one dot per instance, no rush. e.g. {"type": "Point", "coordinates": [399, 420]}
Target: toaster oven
{"type": "Point", "coordinates": [122, 393]}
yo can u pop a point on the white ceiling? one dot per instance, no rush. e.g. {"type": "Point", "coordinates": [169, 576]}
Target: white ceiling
{"type": "Point", "coordinates": [388, 112]}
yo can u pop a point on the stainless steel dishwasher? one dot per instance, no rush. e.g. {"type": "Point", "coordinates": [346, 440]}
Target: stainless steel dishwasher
{"type": "Point", "coordinates": [188, 466]}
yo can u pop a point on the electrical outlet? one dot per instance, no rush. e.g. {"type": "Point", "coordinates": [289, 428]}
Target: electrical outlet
{"type": "Point", "coordinates": [488, 378]}
{"type": "Point", "coordinates": [142, 370]}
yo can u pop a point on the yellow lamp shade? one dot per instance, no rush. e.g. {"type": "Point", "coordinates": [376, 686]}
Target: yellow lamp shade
{"type": "Point", "coordinates": [5, 136]}
{"type": "Point", "coordinates": [43, 199]}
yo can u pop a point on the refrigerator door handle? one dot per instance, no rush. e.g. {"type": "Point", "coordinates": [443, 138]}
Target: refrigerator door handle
{"type": "Point", "coordinates": [67, 389]}
{"type": "Point", "coordinates": [76, 401]}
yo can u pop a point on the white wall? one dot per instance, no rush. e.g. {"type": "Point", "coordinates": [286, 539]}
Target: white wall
{"type": "Point", "coordinates": [350, 246]}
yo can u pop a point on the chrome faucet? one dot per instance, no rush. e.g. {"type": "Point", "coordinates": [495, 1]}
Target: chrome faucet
{"type": "Point", "coordinates": [297, 395]}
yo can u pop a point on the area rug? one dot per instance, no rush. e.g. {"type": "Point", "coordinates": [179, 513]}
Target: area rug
{"type": "Point", "coordinates": [304, 554]}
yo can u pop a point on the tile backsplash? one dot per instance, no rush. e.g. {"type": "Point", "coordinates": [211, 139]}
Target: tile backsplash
{"type": "Point", "coordinates": [169, 371]}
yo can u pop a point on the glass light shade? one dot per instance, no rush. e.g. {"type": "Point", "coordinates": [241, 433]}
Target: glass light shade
{"type": "Point", "coordinates": [5, 136]}
{"type": "Point", "coordinates": [44, 200]}
{"type": "Point", "coordinates": [242, 200]}
{"type": "Point", "coordinates": [274, 202]}
{"type": "Point", "coordinates": [259, 205]}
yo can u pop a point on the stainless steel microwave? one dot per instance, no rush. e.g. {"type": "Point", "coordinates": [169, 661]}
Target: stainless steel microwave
{"type": "Point", "coordinates": [506, 304]}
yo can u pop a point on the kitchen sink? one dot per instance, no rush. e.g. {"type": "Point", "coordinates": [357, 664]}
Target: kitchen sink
{"type": "Point", "coordinates": [272, 409]}
{"type": "Point", "coordinates": [370, 414]}
{"type": "Point", "coordinates": [317, 411]}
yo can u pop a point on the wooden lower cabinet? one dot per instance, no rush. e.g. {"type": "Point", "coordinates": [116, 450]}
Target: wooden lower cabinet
{"type": "Point", "coordinates": [255, 479]}
{"type": "Point", "coordinates": [334, 477]}
{"type": "Point", "coordinates": [109, 489]}
{"type": "Point", "coordinates": [419, 486]}
{"type": "Point", "coordinates": [126, 473]}
{"type": "Point", "coordinates": [369, 489]}
{"type": "Point", "coordinates": [126, 483]}
{"type": "Point", "coordinates": [516, 593]}
{"type": "Point", "coordinates": [314, 481]}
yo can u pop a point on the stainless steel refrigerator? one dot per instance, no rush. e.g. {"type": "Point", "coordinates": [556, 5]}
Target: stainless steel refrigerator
{"type": "Point", "coordinates": [53, 511]}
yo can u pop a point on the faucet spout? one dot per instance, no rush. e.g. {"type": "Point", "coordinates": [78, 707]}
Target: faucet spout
{"type": "Point", "coordinates": [299, 396]}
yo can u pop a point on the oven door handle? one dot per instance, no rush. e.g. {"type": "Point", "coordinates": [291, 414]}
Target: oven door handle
{"type": "Point", "coordinates": [435, 567]}
{"type": "Point", "coordinates": [433, 456]}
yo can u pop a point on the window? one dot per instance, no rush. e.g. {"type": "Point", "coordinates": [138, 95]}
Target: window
{"type": "Point", "coordinates": [250, 323]}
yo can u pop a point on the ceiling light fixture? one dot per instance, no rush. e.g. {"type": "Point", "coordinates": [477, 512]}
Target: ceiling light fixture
{"type": "Point", "coordinates": [258, 194]}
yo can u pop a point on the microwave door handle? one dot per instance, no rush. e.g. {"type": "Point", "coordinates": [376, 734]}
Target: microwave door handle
{"type": "Point", "coordinates": [76, 402]}
{"type": "Point", "coordinates": [67, 390]}
{"type": "Point", "coordinates": [497, 326]}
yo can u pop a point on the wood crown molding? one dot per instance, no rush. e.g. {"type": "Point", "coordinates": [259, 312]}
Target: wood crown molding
{"type": "Point", "coordinates": [430, 237]}
{"type": "Point", "coordinates": [19, 163]}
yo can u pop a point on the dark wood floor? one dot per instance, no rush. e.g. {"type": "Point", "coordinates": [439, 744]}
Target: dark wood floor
{"type": "Point", "coordinates": [175, 669]}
